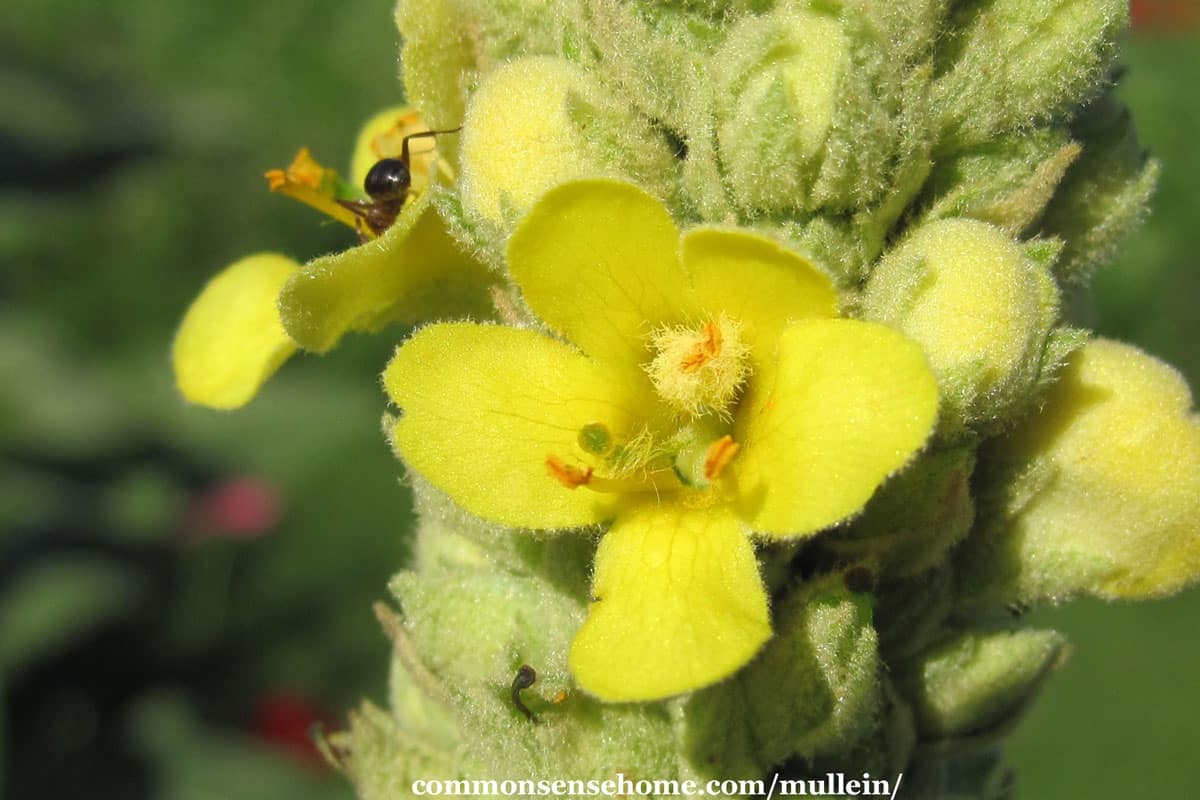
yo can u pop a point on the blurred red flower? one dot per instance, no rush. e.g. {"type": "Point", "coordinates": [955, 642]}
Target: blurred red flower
{"type": "Point", "coordinates": [243, 507]}
{"type": "Point", "coordinates": [286, 721]}
{"type": "Point", "coordinates": [1165, 15]}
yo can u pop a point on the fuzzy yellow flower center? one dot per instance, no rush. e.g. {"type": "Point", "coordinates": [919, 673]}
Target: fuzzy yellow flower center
{"type": "Point", "coordinates": [698, 370]}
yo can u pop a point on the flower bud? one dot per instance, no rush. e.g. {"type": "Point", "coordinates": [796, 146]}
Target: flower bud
{"type": "Point", "coordinates": [1014, 64]}
{"type": "Point", "coordinates": [450, 45]}
{"type": "Point", "coordinates": [379, 755]}
{"type": "Point", "coordinates": [979, 305]}
{"type": "Point", "coordinates": [418, 699]}
{"type": "Point", "coordinates": [466, 625]}
{"type": "Point", "coordinates": [814, 689]}
{"type": "Point", "coordinates": [541, 121]}
{"type": "Point", "coordinates": [910, 613]}
{"type": "Point", "coordinates": [1105, 195]}
{"type": "Point", "coordinates": [915, 518]}
{"type": "Point", "coordinates": [977, 679]}
{"type": "Point", "coordinates": [1098, 494]}
{"type": "Point", "coordinates": [962, 768]}
{"type": "Point", "coordinates": [779, 79]}
{"type": "Point", "coordinates": [473, 614]}
{"type": "Point", "coordinates": [1006, 182]}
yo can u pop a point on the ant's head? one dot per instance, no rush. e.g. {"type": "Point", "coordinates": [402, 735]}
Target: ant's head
{"type": "Point", "coordinates": [389, 179]}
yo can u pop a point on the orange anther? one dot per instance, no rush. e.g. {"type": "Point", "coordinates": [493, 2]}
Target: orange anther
{"type": "Point", "coordinates": [276, 178]}
{"type": "Point", "coordinates": [704, 350]}
{"type": "Point", "coordinates": [569, 476]}
{"type": "Point", "coordinates": [304, 169]}
{"type": "Point", "coordinates": [718, 456]}
{"type": "Point", "coordinates": [559, 698]}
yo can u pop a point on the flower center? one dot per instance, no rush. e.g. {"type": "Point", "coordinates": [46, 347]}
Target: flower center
{"type": "Point", "coordinates": [698, 370]}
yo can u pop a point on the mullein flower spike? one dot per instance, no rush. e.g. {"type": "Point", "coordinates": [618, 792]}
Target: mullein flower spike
{"type": "Point", "coordinates": [746, 412]}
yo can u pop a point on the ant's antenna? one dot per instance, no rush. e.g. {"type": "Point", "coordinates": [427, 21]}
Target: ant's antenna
{"type": "Point", "coordinates": [422, 134]}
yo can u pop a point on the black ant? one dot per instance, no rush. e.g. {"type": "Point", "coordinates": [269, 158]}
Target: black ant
{"type": "Point", "coordinates": [388, 183]}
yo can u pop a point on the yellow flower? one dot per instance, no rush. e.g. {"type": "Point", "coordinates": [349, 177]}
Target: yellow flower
{"type": "Point", "coordinates": [707, 392]}
{"type": "Point", "coordinates": [1098, 493]}
{"type": "Point", "coordinates": [253, 315]}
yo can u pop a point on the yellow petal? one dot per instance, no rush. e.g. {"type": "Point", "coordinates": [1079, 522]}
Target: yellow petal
{"type": "Point", "coordinates": [677, 604]}
{"type": "Point", "coordinates": [485, 406]}
{"type": "Point", "coordinates": [848, 403]}
{"type": "Point", "coordinates": [231, 339]}
{"type": "Point", "coordinates": [756, 281]}
{"type": "Point", "coordinates": [597, 261]}
{"type": "Point", "coordinates": [412, 273]}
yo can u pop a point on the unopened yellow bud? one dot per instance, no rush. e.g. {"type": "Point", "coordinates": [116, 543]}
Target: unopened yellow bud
{"type": "Point", "coordinates": [1097, 494]}
{"type": "Point", "coordinates": [519, 138]}
{"type": "Point", "coordinates": [980, 308]}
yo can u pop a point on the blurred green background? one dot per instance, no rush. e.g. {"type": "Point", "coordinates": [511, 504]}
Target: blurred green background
{"type": "Point", "coordinates": [183, 593]}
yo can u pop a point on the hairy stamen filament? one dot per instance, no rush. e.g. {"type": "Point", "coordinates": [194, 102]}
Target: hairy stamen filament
{"type": "Point", "coordinates": [573, 477]}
